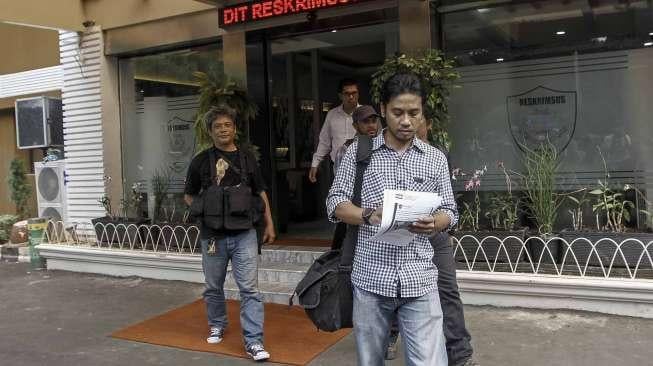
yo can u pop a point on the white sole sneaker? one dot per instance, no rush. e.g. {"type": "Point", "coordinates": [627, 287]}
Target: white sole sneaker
{"type": "Point", "coordinates": [260, 356]}
{"type": "Point", "coordinates": [213, 340]}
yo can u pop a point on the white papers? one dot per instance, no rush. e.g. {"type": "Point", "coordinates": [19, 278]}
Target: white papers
{"type": "Point", "coordinates": [400, 210]}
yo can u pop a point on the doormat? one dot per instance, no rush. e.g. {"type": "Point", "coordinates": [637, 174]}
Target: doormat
{"type": "Point", "coordinates": [290, 337]}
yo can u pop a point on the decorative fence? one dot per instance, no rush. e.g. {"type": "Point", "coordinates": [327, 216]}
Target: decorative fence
{"type": "Point", "coordinates": [172, 239]}
{"type": "Point", "coordinates": [604, 257]}
{"type": "Point", "coordinates": [582, 257]}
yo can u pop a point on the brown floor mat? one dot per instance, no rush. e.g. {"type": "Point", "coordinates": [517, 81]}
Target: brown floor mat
{"type": "Point", "coordinates": [290, 337]}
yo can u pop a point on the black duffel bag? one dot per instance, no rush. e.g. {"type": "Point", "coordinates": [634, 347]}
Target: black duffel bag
{"type": "Point", "coordinates": [326, 292]}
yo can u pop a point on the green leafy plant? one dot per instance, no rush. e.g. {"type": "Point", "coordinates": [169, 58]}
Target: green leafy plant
{"type": "Point", "coordinates": [611, 202]}
{"type": "Point", "coordinates": [503, 208]}
{"type": "Point", "coordinates": [215, 89]}
{"type": "Point", "coordinates": [613, 206]}
{"type": "Point", "coordinates": [467, 220]}
{"type": "Point", "coordinates": [18, 187]}
{"type": "Point", "coordinates": [105, 202]}
{"type": "Point", "coordinates": [6, 223]}
{"type": "Point", "coordinates": [576, 212]}
{"type": "Point", "coordinates": [160, 185]}
{"type": "Point", "coordinates": [502, 211]}
{"type": "Point", "coordinates": [131, 202]}
{"type": "Point", "coordinates": [470, 214]}
{"type": "Point", "coordinates": [538, 180]}
{"type": "Point", "coordinates": [438, 75]}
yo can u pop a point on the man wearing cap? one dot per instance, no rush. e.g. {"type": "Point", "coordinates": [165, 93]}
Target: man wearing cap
{"type": "Point", "coordinates": [366, 122]}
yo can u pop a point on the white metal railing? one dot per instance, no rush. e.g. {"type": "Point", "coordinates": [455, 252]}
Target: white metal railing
{"type": "Point", "coordinates": [582, 257]}
{"type": "Point", "coordinates": [630, 258]}
{"type": "Point", "coordinates": [174, 238]}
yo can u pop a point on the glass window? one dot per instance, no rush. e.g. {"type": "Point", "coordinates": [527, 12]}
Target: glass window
{"type": "Point", "coordinates": [159, 102]}
{"type": "Point", "coordinates": [576, 73]}
{"type": "Point", "coordinates": [534, 29]}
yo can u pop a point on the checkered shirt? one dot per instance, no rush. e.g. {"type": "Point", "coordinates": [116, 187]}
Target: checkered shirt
{"type": "Point", "coordinates": [382, 268]}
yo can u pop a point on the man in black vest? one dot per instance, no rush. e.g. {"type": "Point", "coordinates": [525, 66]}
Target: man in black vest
{"type": "Point", "coordinates": [220, 171]}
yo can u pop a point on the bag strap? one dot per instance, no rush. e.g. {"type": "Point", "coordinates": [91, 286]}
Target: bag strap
{"type": "Point", "coordinates": [243, 167]}
{"type": "Point", "coordinates": [363, 154]}
{"type": "Point", "coordinates": [212, 162]}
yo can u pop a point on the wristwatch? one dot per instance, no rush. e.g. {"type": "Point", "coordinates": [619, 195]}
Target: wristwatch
{"type": "Point", "coordinates": [367, 213]}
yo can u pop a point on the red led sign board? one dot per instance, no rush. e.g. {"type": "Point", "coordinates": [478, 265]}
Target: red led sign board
{"type": "Point", "coordinates": [259, 10]}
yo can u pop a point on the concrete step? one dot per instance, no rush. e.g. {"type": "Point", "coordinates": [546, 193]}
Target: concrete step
{"type": "Point", "coordinates": [280, 269]}
{"type": "Point", "coordinates": [276, 293]}
{"type": "Point", "coordinates": [282, 272]}
{"type": "Point", "coordinates": [289, 254]}
{"type": "Point", "coordinates": [278, 272]}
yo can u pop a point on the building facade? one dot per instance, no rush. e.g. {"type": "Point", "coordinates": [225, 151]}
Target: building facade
{"type": "Point", "coordinates": [578, 74]}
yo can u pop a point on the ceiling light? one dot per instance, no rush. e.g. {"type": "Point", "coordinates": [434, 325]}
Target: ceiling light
{"type": "Point", "coordinates": [483, 10]}
{"type": "Point", "coordinates": [651, 34]}
{"type": "Point", "coordinates": [334, 31]}
{"type": "Point", "coordinates": [561, 33]}
{"type": "Point", "coordinates": [648, 44]}
{"type": "Point", "coordinates": [500, 59]}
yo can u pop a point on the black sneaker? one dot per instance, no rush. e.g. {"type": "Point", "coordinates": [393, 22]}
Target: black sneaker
{"type": "Point", "coordinates": [257, 352]}
{"type": "Point", "coordinates": [391, 351]}
{"type": "Point", "coordinates": [215, 335]}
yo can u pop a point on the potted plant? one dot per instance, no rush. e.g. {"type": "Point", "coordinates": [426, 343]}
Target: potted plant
{"type": "Point", "coordinates": [6, 224]}
{"type": "Point", "coordinates": [160, 183]}
{"type": "Point", "coordinates": [503, 242]}
{"type": "Point", "coordinates": [215, 89]}
{"type": "Point", "coordinates": [612, 242]}
{"type": "Point", "coordinates": [541, 200]}
{"type": "Point", "coordinates": [125, 229]}
{"type": "Point", "coordinates": [438, 75]}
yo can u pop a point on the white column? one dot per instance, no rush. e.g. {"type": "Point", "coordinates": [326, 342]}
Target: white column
{"type": "Point", "coordinates": [82, 123]}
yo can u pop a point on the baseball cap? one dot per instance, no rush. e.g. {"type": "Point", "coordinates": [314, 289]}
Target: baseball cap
{"type": "Point", "coordinates": [363, 112]}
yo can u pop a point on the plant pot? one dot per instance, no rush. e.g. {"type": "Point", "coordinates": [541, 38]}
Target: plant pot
{"type": "Point", "coordinates": [120, 230]}
{"type": "Point", "coordinates": [175, 237]}
{"type": "Point", "coordinates": [605, 248]}
{"type": "Point", "coordinates": [544, 249]}
{"type": "Point", "coordinates": [471, 243]}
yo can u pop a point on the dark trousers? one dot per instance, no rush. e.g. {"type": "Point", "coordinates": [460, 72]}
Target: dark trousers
{"type": "Point", "coordinates": [458, 340]}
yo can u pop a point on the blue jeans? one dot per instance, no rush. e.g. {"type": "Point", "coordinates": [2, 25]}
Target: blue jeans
{"type": "Point", "coordinates": [420, 325]}
{"type": "Point", "coordinates": [459, 347]}
{"type": "Point", "coordinates": [242, 250]}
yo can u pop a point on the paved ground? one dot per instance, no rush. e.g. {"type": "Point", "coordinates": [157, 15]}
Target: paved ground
{"type": "Point", "coordinates": [60, 318]}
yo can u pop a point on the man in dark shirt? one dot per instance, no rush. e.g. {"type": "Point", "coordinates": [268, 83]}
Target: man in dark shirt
{"type": "Point", "coordinates": [239, 246]}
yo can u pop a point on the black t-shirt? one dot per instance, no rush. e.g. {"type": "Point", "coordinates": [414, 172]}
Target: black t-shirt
{"type": "Point", "coordinates": [199, 178]}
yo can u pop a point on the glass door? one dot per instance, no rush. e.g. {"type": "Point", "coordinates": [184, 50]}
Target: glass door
{"type": "Point", "coordinates": [304, 73]}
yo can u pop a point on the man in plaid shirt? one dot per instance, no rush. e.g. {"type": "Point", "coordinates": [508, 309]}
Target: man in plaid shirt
{"type": "Point", "coordinates": [387, 277]}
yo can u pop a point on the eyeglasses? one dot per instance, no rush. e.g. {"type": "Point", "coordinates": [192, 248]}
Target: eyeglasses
{"type": "Point", "coordinates": [349, 94]}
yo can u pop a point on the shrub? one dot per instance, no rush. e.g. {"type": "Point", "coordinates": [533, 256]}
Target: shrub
{"type": "Point", "coordinates": [6, 223]}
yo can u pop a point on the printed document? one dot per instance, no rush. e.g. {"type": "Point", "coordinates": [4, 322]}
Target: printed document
{"type": "Point", "coordinates": [400, 210]}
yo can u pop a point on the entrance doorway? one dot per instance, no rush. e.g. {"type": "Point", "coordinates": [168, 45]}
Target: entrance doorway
{"type": "Point", "coordinates": [304, 72]}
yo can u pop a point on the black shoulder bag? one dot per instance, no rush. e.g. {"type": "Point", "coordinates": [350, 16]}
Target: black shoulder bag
{"type": "Point", "coordinates": [326, 292]}
{"type": "Point", "coordinates": [232, 207]}
{"type": "Point", "coordinates": [208, 206]}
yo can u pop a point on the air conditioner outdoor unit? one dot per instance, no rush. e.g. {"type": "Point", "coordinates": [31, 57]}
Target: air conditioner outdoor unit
{"type": "Point", "coordinates": [39, 122]}
{"type": "Point", "coordinates": [50, 179]}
